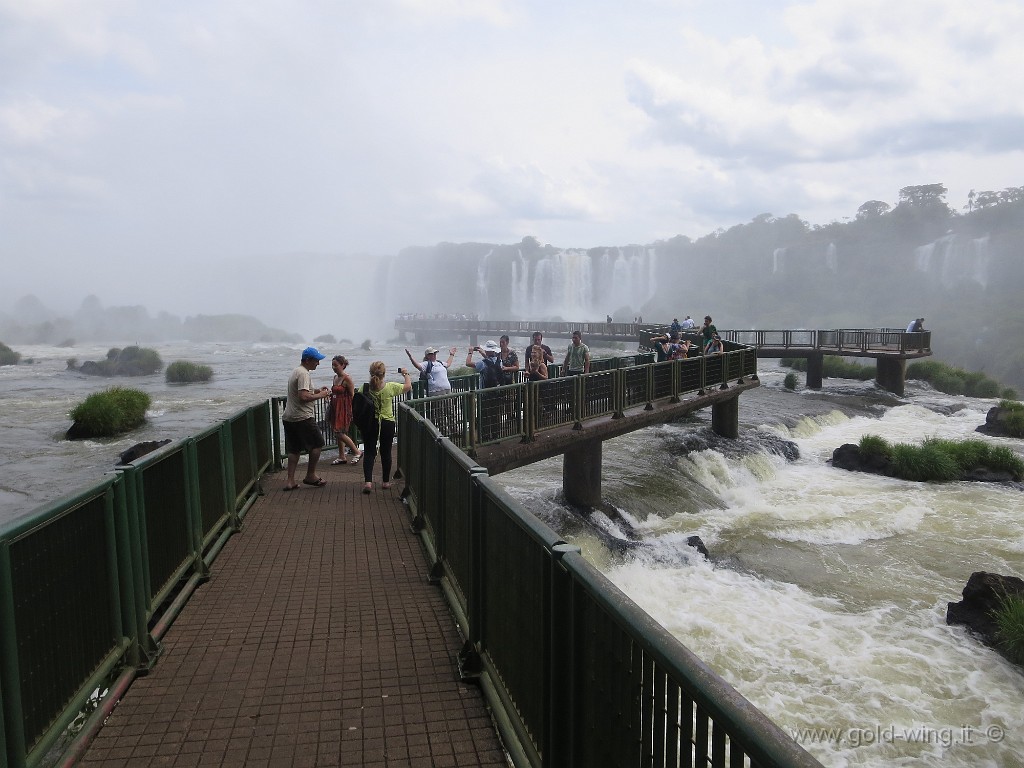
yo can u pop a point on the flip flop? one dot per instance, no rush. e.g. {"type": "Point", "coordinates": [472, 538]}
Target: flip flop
{"type": "Point", "coordinates": [336, 462]}
{"type": "Point", "coordinates": [356, 459]}
{"type": "Point", "coordinates": [385, 485]}
{"type": "Point", "coordinates": [289, 488]}
{"type": "Point", "coordinates": [319, 482]}
{"type": "Point", "coordinates": [367, 489]}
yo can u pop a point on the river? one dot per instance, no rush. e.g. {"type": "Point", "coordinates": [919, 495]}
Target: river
{"type": "Point", "coordinates": [823, 600]}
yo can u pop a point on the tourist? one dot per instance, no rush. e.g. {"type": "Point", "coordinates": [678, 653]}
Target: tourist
{"type": "Point", "coordinates": [577, 358]}
{"type": "Point", "coordinates": [509, 361]}
{"type": "Point", "coordinates": [382, 427]}
{"type": "Point", "coordinates": [490, 370]}
{"type": "Point", "coordinates": [300, 430]}
{"type": "Point", "coordinates": [536, 367]}
{"type": "Point", "coordinates": [688, 324]}
{"type": "Point", "coordinates": [707, 331]}
{"type": "Point", "coordinates": [433, 371]}
{"type": "Point", "coordinates": [538, 337]}
{"type": "Point", "coordinates": [675, 327]}
{"type": "Point", "coordinates": [715, 345]}
{"type": "Point", "coordinates": [340, 412]}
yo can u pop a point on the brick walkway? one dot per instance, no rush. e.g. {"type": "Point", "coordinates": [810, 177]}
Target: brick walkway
{"type": "Point", "coordinates": [317, 642]}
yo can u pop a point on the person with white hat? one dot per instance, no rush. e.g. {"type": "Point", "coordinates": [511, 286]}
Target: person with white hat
{"type": "Point", "coordinates": [433, 371]}
{"type": "Point", "coordinates": [489, 366]}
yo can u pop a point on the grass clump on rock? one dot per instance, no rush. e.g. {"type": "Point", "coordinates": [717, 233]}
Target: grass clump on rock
{"type": "Point", "coordinates": [1014, 417]}
{"type": "Point", "coordinates": [8, 356]}
{"type": "Point", "coordinates": [130, 361]}
{"type": "Point", "coordinates": [186, 372]}
{"type": "Point", "coordinates": [956, 381]}
{"type": "Point", "coordinates": [790, 381]}
{"type": "Point", "coordinates": [1010, 621]}
{"type": "Point", "coordinates": [109, 413]}
{"type": "Point", "coordinates": [939, 460]}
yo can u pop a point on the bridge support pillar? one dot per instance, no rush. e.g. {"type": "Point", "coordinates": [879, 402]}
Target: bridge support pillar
{"type": "Point", "coordinates": [725, 418]}
{"type": "Point", "coordinates": [581, 474]}
{"type": "Point", "coordinates": [815, 370]}
{"type": "Point", "coordinates": [891, 374]}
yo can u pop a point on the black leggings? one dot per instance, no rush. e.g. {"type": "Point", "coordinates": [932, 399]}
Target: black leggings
{"type": "Point", "coordinates": [385, 430]}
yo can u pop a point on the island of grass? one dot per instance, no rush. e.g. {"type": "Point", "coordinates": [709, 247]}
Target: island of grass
{"type": "Point", "coordinates": [186, 372]}
{"type": "Point", "coordinates": [8, 356]}
{"type": "Point", "coordinates": [130, 361]}
{"type": "Point", "coordinates": [1005, 419]}
{"type": "Point", "coordinates": [935, 460]}
{"type": "Point", "coordinates": [108, 413]}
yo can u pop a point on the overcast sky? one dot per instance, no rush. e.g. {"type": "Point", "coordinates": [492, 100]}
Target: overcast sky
{"type": "Point", "coordinates": [193, 132]}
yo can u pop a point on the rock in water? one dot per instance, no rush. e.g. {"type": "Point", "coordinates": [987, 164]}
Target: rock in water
{"type": "Point", "coordinates": [140, 449]}
{"type": "Point", "coordinates": [982, 597]}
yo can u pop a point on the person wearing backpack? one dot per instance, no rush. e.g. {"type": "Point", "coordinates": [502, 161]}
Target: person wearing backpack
{"type": "Point", "coordinates": [433, 372]}
{"type": "Point", "coordinates": [382, 426]}
{"type": "Point", "coordinates": [489, 368]}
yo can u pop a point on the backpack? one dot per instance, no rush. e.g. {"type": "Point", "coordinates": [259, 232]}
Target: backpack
{"type": "Point", "coordinates": [425, 372]}
{"type": "Point", "coordinates": [363, 410]}
{"type": "Point", "coordinates": [490, 374]}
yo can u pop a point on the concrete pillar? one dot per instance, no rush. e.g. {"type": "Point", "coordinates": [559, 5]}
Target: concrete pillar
{"type": "Point", "coordinates": [581, 474]}
{"type": "Point", "coordinates": [891, 374]}
{"type": "Point", "coordinates": [815, 369]}
{"type": "Point", "coordinates": [725, 418]}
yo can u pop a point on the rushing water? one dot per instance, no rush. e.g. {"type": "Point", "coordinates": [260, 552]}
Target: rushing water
{"type": "Point", "coordinates": [823, 600]}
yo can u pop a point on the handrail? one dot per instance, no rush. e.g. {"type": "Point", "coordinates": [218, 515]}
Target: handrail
{"type": "Point", "coordinates": [110, 566]}
{"type": "Point", "coordinates": [575, 672]}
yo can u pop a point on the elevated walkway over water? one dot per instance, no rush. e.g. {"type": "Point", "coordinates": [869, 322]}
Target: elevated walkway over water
{"type": "Point", "coordinates": [318, 641]}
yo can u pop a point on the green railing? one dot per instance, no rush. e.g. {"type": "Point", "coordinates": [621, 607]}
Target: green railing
{"type": "Point", "coordinates": [849, 341]}
{"type": "Point", "coordinates": [575, 672]}
{"type": "Point", "coordinates": [89, 583]}
{"type": "Point", "coordinates": [476, 417]}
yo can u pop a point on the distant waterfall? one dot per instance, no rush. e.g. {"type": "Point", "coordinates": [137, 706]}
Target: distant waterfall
{"type": "Point", "coordinates": [575, 283]}
{"type": "Point", "coordinates": [482, 298]}
{"type": "Point", "coordinates": [831, 258]}
{"type": "Point", "coordinates": [953, 260]}
{"type": "Point", "coordinates": [778, 261]}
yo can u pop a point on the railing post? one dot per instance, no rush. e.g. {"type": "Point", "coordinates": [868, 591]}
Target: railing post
{"type": "Point", "coordinates": [275, 417]}
{"type": "Point", "coordinates": [10, 673]}
{"type": "Point", "coordinates": [619, 393]}
{"type": "Point", "coordinates": [578, 394]}
{"type": "Point", "coordinates": [560, 723]}
{"type": "Point", "coordinates": [194, 512]}
{"type": "Point", "coordinates": [649, 394]}
{"type": "Point", "coordinates": [530, 405]}
{"type": "Point", "coordinates": [675, 384]}
{"type": "Point", "coordinates": [469, 657]}
{"type": "Point", "coordinates": [473, 423]}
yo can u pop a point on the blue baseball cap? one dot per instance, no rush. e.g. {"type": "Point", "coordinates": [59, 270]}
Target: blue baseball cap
{"type": "Point", "coordinates": [312, 352]}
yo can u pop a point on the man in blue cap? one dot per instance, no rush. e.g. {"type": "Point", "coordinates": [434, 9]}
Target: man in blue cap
{"type": "Point", "coordinates": [300, 430]}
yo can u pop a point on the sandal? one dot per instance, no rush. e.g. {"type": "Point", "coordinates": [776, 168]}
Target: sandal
{"type": "Point", "coordinates": [367, 487]}
{"type": "Point", "coordinates": [356, 458]}
{"type": "Point", "coordinates": [385, 485]}
{"type": "Point", "coordinates": [336, 462]}
{"type": "Point", "coordinates": [289, 488]}
{"type": "Point", "coordinates": [319, 482]}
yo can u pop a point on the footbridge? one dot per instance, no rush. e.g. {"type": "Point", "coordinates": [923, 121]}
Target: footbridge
{"type": "Point", "coordinates": [889, 347]}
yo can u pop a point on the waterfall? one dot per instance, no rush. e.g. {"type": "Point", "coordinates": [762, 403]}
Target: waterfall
{"type": "Point", "coordinates": [482, 299]}
{"type": "Point", "coordinates": [778, 262]}
{"type": "Point", "coordinates": [831, 258]}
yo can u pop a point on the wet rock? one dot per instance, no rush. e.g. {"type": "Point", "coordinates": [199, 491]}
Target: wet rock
{"type": "Point", "coordinates": [140, 449]}
{"type": "Point", "coordinates": [697, 543]}
{"type": "Point", "coordinates": [996, 423]}
{"type": "Point", "coordinates": [850, 456]}
{"type": "Point", "coordinates": [982, 597]}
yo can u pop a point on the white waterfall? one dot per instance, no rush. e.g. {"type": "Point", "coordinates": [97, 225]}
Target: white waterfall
{"type": "Point", "coordinates": [831, 258]}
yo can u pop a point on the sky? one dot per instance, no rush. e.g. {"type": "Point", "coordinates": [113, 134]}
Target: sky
{"type": "Point", "coordinates": [143, 144]}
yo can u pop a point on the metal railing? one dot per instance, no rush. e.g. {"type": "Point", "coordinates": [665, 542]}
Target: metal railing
{"type": "Point", "coordinates": [894, 341]}
{"type": "Point", "coordinates": [575, 672]}
{"type": "Point", "coordinates": [90, 583]}
{"type": "Point", "coordinates": [477, 417]}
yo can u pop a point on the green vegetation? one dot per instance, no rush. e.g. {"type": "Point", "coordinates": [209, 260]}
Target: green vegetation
{"type": "Point", "coordinates": [833, 367]}
{"type": "Point", "coordinates": [185, 372]}
{"type": "Point", "coordinates": [956, 381]}
{"type": "Point", "coordinates": [130, 361]}
{"type": "Point", "coordinates": [943, 460]}
{"type": "Point", "coordinates": [108, 413]}
{"type": "Point", "coordinates": [8, 356]}
{"type": "Point", "coordinates": [1014, 421]}
{"type": "Point", "coordinates": [365, 345]}
{"type": "Point", "coordinates": [790, 381]}
{"type": "Point", "coordinates": [1010, 622]}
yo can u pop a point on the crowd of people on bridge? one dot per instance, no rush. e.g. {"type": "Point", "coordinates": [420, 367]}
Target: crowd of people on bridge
{"type": "Point", "coordinates": [495, 363]}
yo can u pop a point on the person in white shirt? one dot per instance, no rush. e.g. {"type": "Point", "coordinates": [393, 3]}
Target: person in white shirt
{"type": "Point", "coordinates": [436, 371]}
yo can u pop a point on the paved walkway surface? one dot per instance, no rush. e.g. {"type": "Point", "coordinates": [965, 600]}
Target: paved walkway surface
{"type": "Point", "coordinates": [317, 642]}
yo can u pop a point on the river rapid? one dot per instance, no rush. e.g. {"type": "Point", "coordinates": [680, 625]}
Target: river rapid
{"type": "Point", "coordinates": [823, 600]}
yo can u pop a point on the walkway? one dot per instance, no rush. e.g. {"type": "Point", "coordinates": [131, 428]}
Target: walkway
{"type": "Point", "coordinates": [317, 642]}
